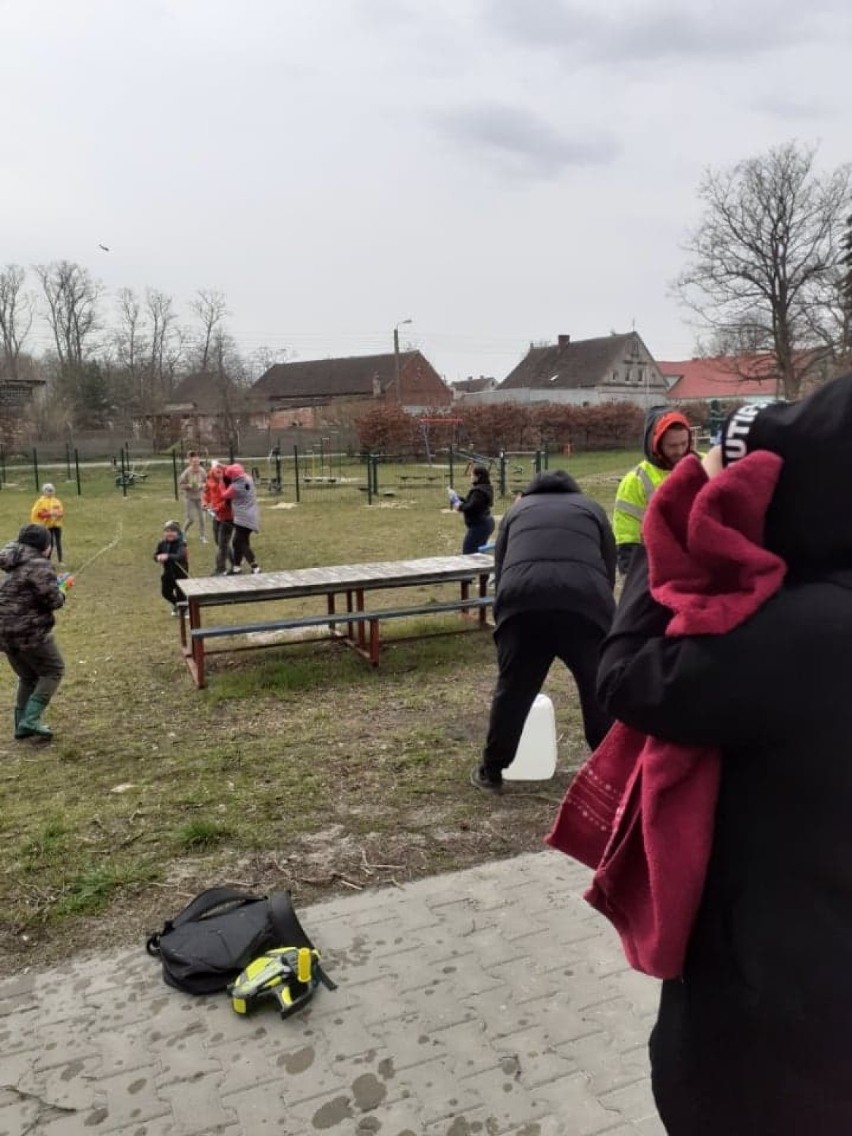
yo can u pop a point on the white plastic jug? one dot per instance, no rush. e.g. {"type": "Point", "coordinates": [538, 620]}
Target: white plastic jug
{"type": "Point", "coordinates": [535, 758]}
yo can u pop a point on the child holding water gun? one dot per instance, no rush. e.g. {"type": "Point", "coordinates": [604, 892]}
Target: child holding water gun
{"type": "Point", "coordinates": [30, 594]}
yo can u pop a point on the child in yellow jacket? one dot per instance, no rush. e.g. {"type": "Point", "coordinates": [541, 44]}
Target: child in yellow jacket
{"type": "Point", "coordinates": [48, 511]}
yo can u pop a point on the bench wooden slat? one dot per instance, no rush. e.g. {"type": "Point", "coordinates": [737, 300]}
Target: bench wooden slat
{"type": "Point", "coordinates": [340, 617]}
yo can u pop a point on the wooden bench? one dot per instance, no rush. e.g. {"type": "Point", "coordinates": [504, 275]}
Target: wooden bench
{"type": "Point", "coordinates": [373, 620]}
{"type": "Point", "coordinates": [344, 588]}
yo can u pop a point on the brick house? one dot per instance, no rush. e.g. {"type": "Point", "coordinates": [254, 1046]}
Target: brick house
{"type": "Point", "coordinates": [317, 393]}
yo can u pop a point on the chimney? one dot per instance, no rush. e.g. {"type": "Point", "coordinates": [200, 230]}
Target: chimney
{"type": "Point", "coordinates": [563, 340]}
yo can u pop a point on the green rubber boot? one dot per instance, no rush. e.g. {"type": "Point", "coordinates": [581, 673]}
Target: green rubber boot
{"type": "Point", "coordinates": [30, 724]}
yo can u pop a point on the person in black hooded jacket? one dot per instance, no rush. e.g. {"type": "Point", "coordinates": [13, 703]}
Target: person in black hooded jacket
{"type": "Point", "coordinates": [756, 1036]}
{"type": "Point", "coordinates": [554, 568]}
{"type": "Point", "coordinates": [475, 507]}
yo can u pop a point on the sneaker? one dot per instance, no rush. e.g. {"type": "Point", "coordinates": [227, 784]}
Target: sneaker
{"type": "Point", "coordinates": [480, 779]}
{"type": "Point", "coordinates": [255, 568]}
{"type": "Point", "coordinates": [174, 610]}
{"type": "Point", "coordinates": [234, 572]}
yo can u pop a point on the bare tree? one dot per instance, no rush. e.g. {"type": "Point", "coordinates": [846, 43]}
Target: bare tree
{"type": "Point", "coordinates": [16, 316]}
{"type": "Point", "coordinates": [165, 347]}
{"type": "Point", "coordinates": [765, 257]}
{"type": "Point", "coordinates": [72, 298]}
{"type": "Point", "coordinates": [264, 357]}
{"type": "Point", "coordinates": [211, 308]}
{"type": "Point", "coordinates": [129, 338]}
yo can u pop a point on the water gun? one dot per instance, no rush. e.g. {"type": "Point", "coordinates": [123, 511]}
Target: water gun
{"type": "Point", "coordinates": [65, 581]}
{"type": "Point", "coordinates": [455, 500]}
{"type": "Point", "coordinates": [286, 975]}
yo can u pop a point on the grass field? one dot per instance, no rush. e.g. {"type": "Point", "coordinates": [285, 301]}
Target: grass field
{"type": "Point", "coordinates": [298, 767]}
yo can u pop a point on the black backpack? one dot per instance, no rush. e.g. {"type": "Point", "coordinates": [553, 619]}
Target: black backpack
{"type": "Point", "coordinates": [217, 935]}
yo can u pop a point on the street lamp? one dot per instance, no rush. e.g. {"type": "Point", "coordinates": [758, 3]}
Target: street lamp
{"type": "Point", "coordinates": [396, 328]}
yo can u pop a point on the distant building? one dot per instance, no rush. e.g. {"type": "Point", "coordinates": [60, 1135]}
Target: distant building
{"type": "Point", "coordinates": [464, 387]}
{"type": "Point", "coordinates": [612, 368]}
{"type": "Point", "coordinates": [20, 384]}
{"type": "Point", "coordinates": [752, 378]}
{"type": "Point", "coordinates": [319, 392]}
{"type": "Point", "coordinates": [203, 409]}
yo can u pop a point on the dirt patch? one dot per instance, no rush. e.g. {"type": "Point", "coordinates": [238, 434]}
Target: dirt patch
{"type": "Point", "coordinates": [336, 860]}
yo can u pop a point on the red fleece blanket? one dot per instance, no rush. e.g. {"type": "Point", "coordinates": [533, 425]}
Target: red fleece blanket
{"type": "Point", "coordinates": [641, 810]}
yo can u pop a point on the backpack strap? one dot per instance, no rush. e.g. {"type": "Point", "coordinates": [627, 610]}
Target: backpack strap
{"type": "Point", "coordinates": [290, 931]}
{"type": "Point", "coordinates": [202, 905]}
{"type": "Point", "coordinates": [209, 900]}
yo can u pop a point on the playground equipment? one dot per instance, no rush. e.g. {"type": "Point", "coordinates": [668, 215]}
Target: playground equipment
{"type": "Point", "coordinates": [426, 425]}
{"type": "Point", "coordinates": [129, 474]}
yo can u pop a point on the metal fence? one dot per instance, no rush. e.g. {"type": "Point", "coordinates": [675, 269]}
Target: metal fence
{"type": "Point", "coordinates": [315, 474]}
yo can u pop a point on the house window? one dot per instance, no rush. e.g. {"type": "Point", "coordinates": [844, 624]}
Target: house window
{"type": "Point", "coordinates": [615, 376]}
{"type": "Point", "coordinates": [628, 375]}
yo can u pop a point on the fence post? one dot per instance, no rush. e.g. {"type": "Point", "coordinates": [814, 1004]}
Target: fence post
{"type": "Point", "coordinates": [3, 462]}
{"type": "Point", "coordinates": [278, 480]}
{"type": "Point", "coordinates": [123, 473]}
{"type": "Point", "coordinates": [375, 475]}
{"type": "Point", "coordinates": [77, 472]}
{"type": "Point", "coordinates": [35, 469]}
{"type": "Point", "coordinates": [537, 461]}
{"type": "Point", "coordinates": [67, 461]}
{"type": "Point", "coordinates": [369, 478]}
{"type": "Point", "coordinates": [175, 472]}
{"type": "Point", "coordinates": [296, 472]}
{"type": "Point", "coordinates": [451, 466]}
{"type": "Point", "coordinates": [502, 478]}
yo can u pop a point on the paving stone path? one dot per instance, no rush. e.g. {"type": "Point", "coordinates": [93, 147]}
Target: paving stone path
{"type": "Point", "coordinates": [481, 1003]}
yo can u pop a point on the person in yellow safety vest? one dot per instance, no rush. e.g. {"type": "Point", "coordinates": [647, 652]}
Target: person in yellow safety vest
{"type": "Point", "coordinates": [668, 439]}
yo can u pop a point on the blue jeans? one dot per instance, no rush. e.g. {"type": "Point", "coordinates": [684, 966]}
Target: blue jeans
{"type": "Point", "coordinates": [477, 535]}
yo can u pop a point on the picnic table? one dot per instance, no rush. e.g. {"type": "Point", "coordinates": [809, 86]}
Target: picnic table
{"type": "Point", "coordinates": [345, 589]}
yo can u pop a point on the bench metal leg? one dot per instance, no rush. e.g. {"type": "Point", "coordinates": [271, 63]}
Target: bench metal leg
{"type": "Point", "coordinates": [195, 655]}
{"type": "Point", "coordinates": [359, 607]}
{"type": "Point", "coordinates": [483, 592]}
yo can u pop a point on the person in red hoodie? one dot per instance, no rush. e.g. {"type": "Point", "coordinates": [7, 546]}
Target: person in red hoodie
{"type": "Point", "coordinates": [222, 515]}
{"type": "Point", "coordinates": [754, 1036]}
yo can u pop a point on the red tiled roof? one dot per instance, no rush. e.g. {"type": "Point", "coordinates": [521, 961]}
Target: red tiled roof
{"type": "Point", "coordinates": [721, 377]}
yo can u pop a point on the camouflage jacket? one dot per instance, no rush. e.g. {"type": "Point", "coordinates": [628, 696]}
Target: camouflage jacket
{"type": "Point", "coordinates": [29, 595]}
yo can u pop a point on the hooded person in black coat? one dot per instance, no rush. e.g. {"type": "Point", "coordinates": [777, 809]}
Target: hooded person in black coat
{"type": "Point", "coordinates": [475, 507]}
{"type": "Point", "coordinates": [756, 1036]}
{"type": "Point", "coordinates": [554, 567]}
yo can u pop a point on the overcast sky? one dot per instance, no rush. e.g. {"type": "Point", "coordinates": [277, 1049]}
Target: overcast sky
{"type": "Point", "coordinates": [498, 171]}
